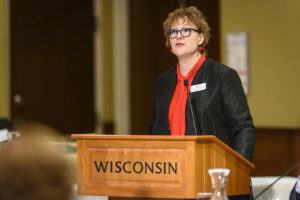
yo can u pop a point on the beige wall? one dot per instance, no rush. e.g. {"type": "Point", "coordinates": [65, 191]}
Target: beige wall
{"type": "Point", "coordinates": [4, 74]}
{"type": "Point", "coordinates": [274, 32]}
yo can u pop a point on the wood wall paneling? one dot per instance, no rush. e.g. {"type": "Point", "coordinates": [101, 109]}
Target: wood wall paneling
{"type": "Point", "coordinates": [276, 150]}
{"type": "Point", "coordinates": [52, 63]}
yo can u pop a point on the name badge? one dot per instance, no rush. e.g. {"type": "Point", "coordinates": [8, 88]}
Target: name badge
{"type": "Point", "coordinates": [198, 87]}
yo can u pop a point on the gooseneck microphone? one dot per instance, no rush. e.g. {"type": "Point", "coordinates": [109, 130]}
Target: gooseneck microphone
{"type": "Point", "coordinates": [186, 84]}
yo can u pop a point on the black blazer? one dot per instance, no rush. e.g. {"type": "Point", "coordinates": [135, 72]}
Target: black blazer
{"type": "Point", "coordinates": [294, 195]}
{"type": "Point", "coordinates": [221, 109]}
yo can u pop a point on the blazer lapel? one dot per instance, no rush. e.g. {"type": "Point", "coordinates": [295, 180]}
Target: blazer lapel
{"type": "Point", "coordinates": [165, 100]}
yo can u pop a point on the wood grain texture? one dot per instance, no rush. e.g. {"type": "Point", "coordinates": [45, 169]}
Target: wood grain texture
{"type": "Point", "coordinates": [190, 156]}
{"type": "Point", "coordinates": [276, 150]}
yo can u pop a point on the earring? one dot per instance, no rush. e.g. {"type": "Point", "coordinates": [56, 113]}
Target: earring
{"type": "Point", "coordinates": [200, 48]}
{"type": "Point", "coordinates": [171, 51]}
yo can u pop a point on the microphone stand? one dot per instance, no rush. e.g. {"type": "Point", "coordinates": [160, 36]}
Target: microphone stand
{"type": "Point", "coordinates": [284, 174]}
{"type": "Point", "coordinates": [186, 84]}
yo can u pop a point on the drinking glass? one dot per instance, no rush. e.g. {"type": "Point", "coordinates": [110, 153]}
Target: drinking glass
{"type": "Point", "coordinates": [203, 196]}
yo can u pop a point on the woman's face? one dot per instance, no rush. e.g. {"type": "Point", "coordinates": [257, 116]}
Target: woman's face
{"type": "Point", "coordinates": [184, 46]}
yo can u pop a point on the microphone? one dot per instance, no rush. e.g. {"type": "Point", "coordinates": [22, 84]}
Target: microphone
{"type": "Point", "coordinates": [186, 84]}
{"type": "Point", "coordinates": [284, 174]}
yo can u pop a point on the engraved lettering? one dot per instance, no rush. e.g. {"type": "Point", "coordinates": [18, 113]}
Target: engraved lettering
{"type": "Point", "coordinates": [118, 163]}
{"type": "Point", "coordinates": [98, 168]}
{"type": "Point", "coordinates": [173, 169]}
{"type": "Point", "coordinates": [124, 167]}
{"type": "Point", "coordinates": [135, 168]}
{"type": "Point", "coordinates": [158, 164]}
{"type": "Point", "coordinates": [147, 166]}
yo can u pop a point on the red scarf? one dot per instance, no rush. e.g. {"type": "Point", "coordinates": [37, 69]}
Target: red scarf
{"type": "Point", "coordinates": [178, 103]}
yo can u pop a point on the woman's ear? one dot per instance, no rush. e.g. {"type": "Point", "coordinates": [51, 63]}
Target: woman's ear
{"type": "Point", "coordinates": [201, 39]}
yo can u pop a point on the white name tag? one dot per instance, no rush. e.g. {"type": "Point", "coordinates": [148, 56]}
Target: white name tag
{"type": "Point", "coordinates": [199, 87]}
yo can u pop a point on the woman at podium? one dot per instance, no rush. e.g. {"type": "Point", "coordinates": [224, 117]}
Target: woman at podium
{"type": "Point", "coordinates": [199, 96]}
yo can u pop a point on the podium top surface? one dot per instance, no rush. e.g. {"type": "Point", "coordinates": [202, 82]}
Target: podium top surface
{"type": "Point", "coordinates": [202, 138]}
{"type": "Point", "coordinates": [93, 136]}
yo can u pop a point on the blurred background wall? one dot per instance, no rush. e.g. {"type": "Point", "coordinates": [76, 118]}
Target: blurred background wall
{"type": "Point", "coordinates": [273, 29]}
{"type": "Point", "coordinates": [274, 97]}
{"type": "Point", "coordinates": [4, 61]}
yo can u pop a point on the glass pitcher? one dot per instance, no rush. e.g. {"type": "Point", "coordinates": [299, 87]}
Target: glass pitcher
{"type": "Point", "coordinates": [218, 179]}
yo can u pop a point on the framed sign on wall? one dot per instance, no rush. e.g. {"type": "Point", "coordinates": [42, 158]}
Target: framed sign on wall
{"type": "Point", "coordinates": [237, 56]}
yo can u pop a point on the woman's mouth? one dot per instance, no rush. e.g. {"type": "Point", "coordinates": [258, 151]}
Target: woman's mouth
{"type": "Point", "coordinates": [179, 44]}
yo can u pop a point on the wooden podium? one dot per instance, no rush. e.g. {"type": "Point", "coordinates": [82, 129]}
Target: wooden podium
{"type": "Point", "coordinates": [156, 166]}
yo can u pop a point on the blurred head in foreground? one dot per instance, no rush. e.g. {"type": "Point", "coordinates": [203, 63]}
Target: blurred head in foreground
{"type": "Point", "coordinates": [31, 169]}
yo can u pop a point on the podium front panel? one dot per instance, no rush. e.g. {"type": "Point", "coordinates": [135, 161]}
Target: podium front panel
{"type": "Point", "coordinates": [156, 166]}
{"type": "Point", "coordinates": [135, 168]}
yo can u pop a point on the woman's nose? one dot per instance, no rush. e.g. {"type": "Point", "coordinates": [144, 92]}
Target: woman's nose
{"type": "Point", "coordinates": [179, 36]}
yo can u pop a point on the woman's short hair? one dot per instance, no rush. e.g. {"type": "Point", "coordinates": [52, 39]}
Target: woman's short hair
{"type": "Point", "coordinates": [193, 15]}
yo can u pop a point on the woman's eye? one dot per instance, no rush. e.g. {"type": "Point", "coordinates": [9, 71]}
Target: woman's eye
{"type": "Point", "coordinates": [185, 30]}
